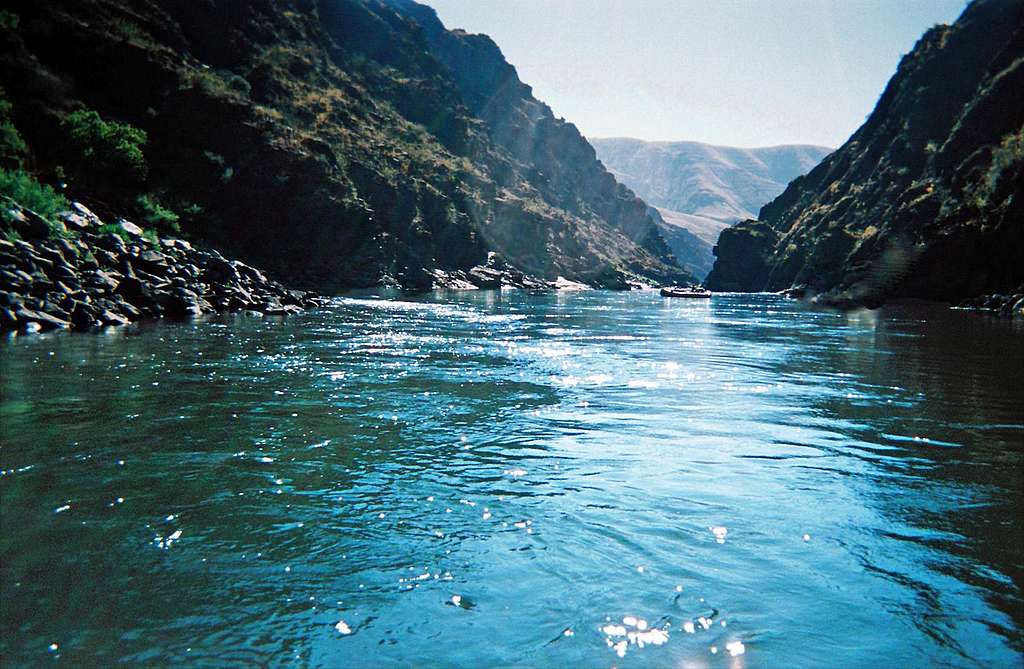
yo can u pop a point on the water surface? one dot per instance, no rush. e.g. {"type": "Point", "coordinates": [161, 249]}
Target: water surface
{"type": "Point", "coordinates": [504, 479]}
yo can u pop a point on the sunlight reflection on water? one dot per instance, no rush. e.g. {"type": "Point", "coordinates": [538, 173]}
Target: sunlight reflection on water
{"type": "Point", "coordinates": [591, 479]}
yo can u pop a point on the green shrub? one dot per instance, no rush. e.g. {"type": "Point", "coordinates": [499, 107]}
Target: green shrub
{"type": "Point", "coordinates": [12, 146]}
{"type": "Point", "coordinates": [9, 21]}
{"type": "Point", "coordinates": [29, 193]}
{"type": "Point", "coordinates": [156, 214]}
{"type": "Point", "coordinates": [101, 149]}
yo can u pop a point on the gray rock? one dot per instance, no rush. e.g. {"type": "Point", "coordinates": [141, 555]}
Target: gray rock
{"type": "Point", "coordinates": [136, 292]}
{"type": "Point", "coordinates": [91, 219]}
{"type": "Point", "coordinates": [179, 244]}
{"type": "Point", "coordinates": [249, 273]}
{"type": "Point", "coordinates": [16, 279]}
{"type": "Point", "coordinates": [277, 309]}
{"type": "Point", "coordinates": [484, 277]}
{"type": "Point", "coordinates": [108, 317]}
{"type": "Point", "coordinates": [101, 280]}
{"type": "Point", "coordinates": [112, 242]}
{"type": "Point", "coordinates": [130, 228]}
{"type": "Point", "coordinates": [54, 309]}
{"type": "Point", "coordinates": [43, 320]}
{"type": "Point", "coordinates": [184, 303]}
{"type": "Point", "coordinates": [84, 316]}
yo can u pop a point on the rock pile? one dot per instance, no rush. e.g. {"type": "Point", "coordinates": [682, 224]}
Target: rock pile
{"type": "Point", "coordinates": [483, 277]}
{"type": "Point", "coordinates": [1010, 304]}
{"type": "Point", "coordinates": [70, 273]}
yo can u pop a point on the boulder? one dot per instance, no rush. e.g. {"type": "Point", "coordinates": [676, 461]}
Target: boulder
{"type": "Point", "coordinates": [84, 316]}
{"type": "Point", "coordinates": [249, 273]}
{"type": "Point", "coordinates": [484, 277]}
{"type": "Point", "coordinates": [112, 242]}
{"type": "Point", "coordinates": [43, 320]}
{"type": "Point", "coordinates": [277, 309]}
{"type": "Point", "coordinates": [130, 229]}
{"type": "Point", "coordinates": [109, 317]}
{"type": "Point", "coordinates": [17, 279]}
{"type": "Point", "coordinates": [84, 218]}
{"type": "Point", "coordinates": [179, 244]}
{"type": "Point", "coordinates": [136, 292]}
{"type": "Point", "coordinates": [183, 303]}
{"type": "Point", "coordinates": [101, 280]}
{"type": "Point", "coordinates": [220, 270]}
{"type": "Point", "coordinates": [416, 280]}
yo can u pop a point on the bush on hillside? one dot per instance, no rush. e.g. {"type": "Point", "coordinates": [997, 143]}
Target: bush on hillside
{"type": "Point", "coordinates": [156, 214]}
{"type": "Point", "coordinates": [12, 146]}
{"type": "Point", "coordinates": [101, 150]}
{"type": "Point", "coordinates": [29, 193]}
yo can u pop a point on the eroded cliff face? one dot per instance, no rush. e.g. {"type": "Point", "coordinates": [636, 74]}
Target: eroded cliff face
{"type": "Point", "coordinates": [925, 199]}
{"type": "Point", "coordinates": [336, 142]}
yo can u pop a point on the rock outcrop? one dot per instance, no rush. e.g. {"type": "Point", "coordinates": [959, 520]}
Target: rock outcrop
{"type": "Point", "coordinates": [337, 143]}
{"type": "Point", "coordinates": [86, 274]}
{"type": "Point", "coordinates": [926, 198]}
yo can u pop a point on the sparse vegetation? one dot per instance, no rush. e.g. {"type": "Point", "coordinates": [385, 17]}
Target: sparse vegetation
{"type": "Point", "coordinates": [220, 83]}
{"type": "Point", "coordinates": [1009, 154]}
{"type": "Point", "coordinates": [9, 20]}
{"type": "Point", "coordinates": [156, 214]}
{"type": "Point", "coordinates": [24, 189]}
{"type": "Point", "coordinates": [12, 146]}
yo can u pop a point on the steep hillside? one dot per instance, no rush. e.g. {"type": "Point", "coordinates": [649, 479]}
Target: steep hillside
{"type": "Point", "coordinates": [701, 187]}
{"type": "Point", "coordinates": [925, 199]}
{"type": "Point", "coordinates": [338, 143]}
{"type": "Point", "coordinates": [690, 237]}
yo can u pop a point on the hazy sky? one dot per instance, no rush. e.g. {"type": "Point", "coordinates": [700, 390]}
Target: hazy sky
{"type": "Point", "coordinates": [734, 72]}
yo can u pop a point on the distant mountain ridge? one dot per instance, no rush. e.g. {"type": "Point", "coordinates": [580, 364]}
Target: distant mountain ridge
{"type": "Point", "coordinates": [703, 188]}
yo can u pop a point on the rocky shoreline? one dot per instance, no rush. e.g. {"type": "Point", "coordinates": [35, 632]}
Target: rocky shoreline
{"type": "Point", "coordinates": [495, 275]}
{"type": "Point", "coordinates": [1010, 304]}
{"type": "Point", "coordinates": [75, 272]}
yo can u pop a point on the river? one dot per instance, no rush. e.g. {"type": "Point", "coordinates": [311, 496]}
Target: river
{"type": "Point", "coordinates": [494, 479]}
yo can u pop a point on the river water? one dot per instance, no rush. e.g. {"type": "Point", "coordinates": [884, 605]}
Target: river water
{"type": "Point", "coordinates": [503, 479]}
